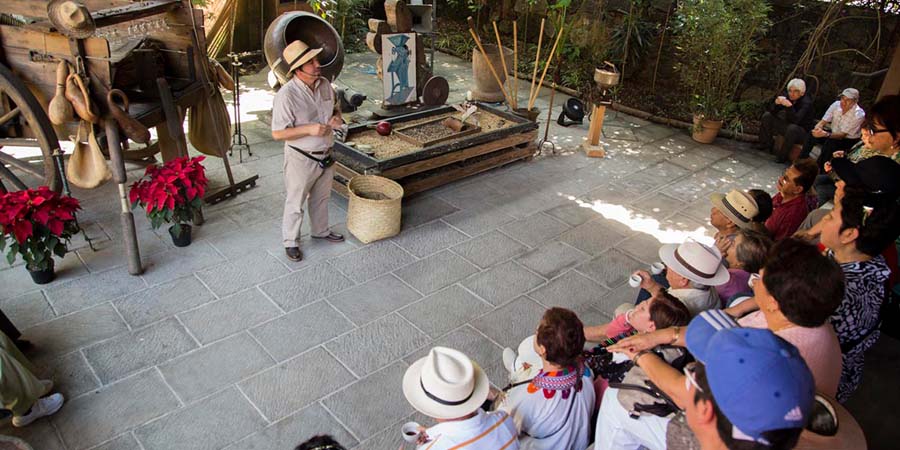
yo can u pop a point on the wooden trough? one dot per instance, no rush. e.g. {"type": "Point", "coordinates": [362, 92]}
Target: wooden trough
{"type": "Point", "coordinates": [439, 161]}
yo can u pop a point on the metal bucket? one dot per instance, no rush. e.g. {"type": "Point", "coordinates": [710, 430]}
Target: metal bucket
{"type": "Point", "coordinates": [312, 30]}
{"type": "Point", "coordinates": [606, 78]}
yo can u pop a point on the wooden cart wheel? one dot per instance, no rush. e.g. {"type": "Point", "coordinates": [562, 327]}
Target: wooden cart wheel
{"type": "Point", "coordinates": [23, 123]}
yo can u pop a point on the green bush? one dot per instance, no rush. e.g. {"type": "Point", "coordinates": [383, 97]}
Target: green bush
{"type": "Point", "coordinates": [716, 40]}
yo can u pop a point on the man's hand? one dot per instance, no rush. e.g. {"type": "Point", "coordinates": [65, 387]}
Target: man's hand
{"type": "Point", "coordinates": [336, 121]}
{"type": "Point", "coordinates": [647, 281]}
{"type": "Point", "coordinates": [317, 129]}
{"type": "Point", "coordinates": [819, 133]}
{"type": "Point", "coordinates": [838, 154]}
{"type": "Point", "coordinates": [723, 243]}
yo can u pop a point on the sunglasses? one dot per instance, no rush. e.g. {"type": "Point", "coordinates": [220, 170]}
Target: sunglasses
{"type": "Point", "coordinates": [690, 377]}
{"type": "Point", "coordinates": [872, 130]}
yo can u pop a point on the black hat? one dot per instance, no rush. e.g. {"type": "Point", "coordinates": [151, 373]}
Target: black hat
{"type": "Point", "coordinates": [878, 175]}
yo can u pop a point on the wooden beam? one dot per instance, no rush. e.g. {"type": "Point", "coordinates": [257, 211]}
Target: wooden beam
{"type": "Point", "coordinates": [891, 83]}
{"type": "Point", "coordinates": [444, 177]}
{"type": "Point", "coordinates": [37, 171]}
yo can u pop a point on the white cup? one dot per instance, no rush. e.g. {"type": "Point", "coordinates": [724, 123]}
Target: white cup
{"type": "Point", "coordinates": [410, 431]}
{"type": "Point", "coordinates": [657, 268]}
{"type": "Point", "coordinates": [634, 280]}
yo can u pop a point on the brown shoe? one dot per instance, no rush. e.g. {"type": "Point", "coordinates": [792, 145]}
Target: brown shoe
{"type": "Point", "coordinates": [294, 253]}
{"type": "Point", "coordinates": [331, 237]}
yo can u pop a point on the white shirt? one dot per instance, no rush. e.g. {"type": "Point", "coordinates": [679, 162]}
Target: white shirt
{"type": "Point", "coordinates": [697, 300]}
{"type": "Point", "coordinates": [616, 430]}
{"type": "Point", "coordinates": [541, 417]}
{"type": "Point", "coordinates": [486, 431]}
{"type": "Point", "coordinates": [848, 122]}
{"type": "Point", "coordinates": [296, 104]}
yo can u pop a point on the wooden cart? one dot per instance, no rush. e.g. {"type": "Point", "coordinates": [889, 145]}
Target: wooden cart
{"type": "Point", "coordinates": [152, 50]}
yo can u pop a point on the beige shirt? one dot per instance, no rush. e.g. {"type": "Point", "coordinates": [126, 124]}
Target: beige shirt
{"type": "Point", "coordinates": [848, 122]}
{"type": "Point", "coordinates": [296, 104]}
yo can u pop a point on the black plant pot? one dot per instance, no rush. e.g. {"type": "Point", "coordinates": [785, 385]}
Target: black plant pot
{"type": "Point", "coordinates": [182, 239]}
{"type": "Point", "coordinates": [43, 276]}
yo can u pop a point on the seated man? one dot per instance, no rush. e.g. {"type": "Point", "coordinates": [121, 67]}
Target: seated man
{"type": "Point", "coordinates": [750, 389]}
{"type": "Point", "coordinates": [20, 391]}
{"type": "Point", "coordinates": [791, 116]}
{"type": "Point", "coordinates": [844, 119]}
{"type": "Point", "coordinates": [731, 212]}
{"type": "Point", "coordinates": [451, 388]}
{"type": "Point", "coordinates": [790, 205]}
{"type": "Point", "coordinates": [692, 270]}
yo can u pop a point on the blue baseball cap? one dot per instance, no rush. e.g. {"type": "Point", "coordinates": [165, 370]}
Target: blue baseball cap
{"type": "Point", "coordinates": [758, 380]}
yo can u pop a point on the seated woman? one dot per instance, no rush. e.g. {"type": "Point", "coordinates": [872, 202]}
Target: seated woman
{"type": "Point", "coordinates": [553, 411]}
{"type": "Point", "coordinates": [797, 291]}
{"type": "Point", "coordinates": [856, 232]}
{"type": "Point", "coordinates": [745, 256]}
{"type": "Point", "coordinates": [880, 136]}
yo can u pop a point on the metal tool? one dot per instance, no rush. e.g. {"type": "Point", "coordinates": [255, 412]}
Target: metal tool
{"type": "Point", "coordinates": [238, 140]}
{"type": "Point", "coordinates": [544, 141]}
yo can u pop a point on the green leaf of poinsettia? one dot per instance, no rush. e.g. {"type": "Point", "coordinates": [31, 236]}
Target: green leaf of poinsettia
{"type": "Point", "coordinates": [60, 250]}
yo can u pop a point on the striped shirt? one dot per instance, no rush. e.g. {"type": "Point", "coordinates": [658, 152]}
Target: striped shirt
{"type": "Point", "coordinates": [484, 431]}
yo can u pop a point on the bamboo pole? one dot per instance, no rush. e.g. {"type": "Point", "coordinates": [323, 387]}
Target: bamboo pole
{"type": "Point", "coordinates": [484, 55]}
{"type": "Point", "coordinates": [546, 66]}
{"type": "Point", "coordinates": [537, 60]}
{"type": "Point", "coordinates": [515, 81]}
{"type": "Point", "coordinates": [502, 58]}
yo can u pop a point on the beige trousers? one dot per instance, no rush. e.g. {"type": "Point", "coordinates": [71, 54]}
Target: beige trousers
{"type": "Point", "coordinates": [304, 181]}
{"type": "Point", "coordinates": [19, 388]}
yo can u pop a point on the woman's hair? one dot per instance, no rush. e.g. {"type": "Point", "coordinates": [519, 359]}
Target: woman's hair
{"type": "Point", "coordinates": [753, 249]}
{"type": "Point", "coordinates": [763, 203]}
{"type": "Point", "coordinates": [781, 439]}
{"type": "Point", "coordinates": [320, 442]}
{"type": "Point", "coordinates": [878, 222]}
{"type": "Point", "coordinates": [886, 111]}
{"type": "Point", "coordinates": [807, 285]}
{"type": "Point", "coordinates": [798, 84]}
{"type": "Point", "coordinates": [667, 311]}
{"type": "Point", "coordinates": [561, 334]}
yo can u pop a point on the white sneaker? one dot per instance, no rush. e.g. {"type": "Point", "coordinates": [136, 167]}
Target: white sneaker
{"type": "Point", "coordinates": [43, 407]}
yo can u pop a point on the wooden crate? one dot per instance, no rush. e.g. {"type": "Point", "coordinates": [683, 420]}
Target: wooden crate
{"type": "Point", "coordinates": [443, 162]}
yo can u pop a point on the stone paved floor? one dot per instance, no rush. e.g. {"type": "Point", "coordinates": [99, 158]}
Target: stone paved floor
{"type": "Point", "coordinates": [227, 344]}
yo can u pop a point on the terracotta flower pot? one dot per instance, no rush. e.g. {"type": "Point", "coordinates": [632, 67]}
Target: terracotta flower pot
{"type": "Point", "coordinates": [705, 130]}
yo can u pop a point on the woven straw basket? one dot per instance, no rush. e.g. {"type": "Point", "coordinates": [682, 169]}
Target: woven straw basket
{"type": "Point", "coordinates": [374, 211]}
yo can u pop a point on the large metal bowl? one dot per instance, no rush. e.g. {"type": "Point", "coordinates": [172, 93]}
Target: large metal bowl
{"type": "Point", "coordinates": [606, 78]}
{"type": "Point", "coordinates": [312, 30]}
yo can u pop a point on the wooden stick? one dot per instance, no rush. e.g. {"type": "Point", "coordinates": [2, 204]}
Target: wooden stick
{"type": "Point", "coordinates": [484, 55]}
{"type": "Point", "coordinates": [502, 58]}
{"type": "Point", "coordinates": [537, 60]}
{"type": "Point", "coordinates": [546, 66]}
{"type": "Point", "coordinates": [515, 65]}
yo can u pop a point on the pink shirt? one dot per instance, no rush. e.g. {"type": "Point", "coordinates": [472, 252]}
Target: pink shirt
{"type": "Point", "coordinates": [618, 326]}
{"type": "Point", "coordinates": [818, 346]}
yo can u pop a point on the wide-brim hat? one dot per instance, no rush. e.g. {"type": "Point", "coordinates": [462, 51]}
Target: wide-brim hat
{"type": "Point", "coordinates": [737, 206]}
{"type": "Point", "coordinates": [71, 18]}
{"type": "Point", "coordinates": [297, 53]}
{"type": "Point", "coordinates": [697, 262]}
{"type": "Point", "coordinates": [445, 384]}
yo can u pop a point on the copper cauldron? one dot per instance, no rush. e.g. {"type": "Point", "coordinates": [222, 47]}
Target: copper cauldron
{"type": "Point", "coordinates": [312, 30]}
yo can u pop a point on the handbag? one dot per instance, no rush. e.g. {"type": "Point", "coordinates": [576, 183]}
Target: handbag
{"type": "Point", "coordinates": [87, 167]}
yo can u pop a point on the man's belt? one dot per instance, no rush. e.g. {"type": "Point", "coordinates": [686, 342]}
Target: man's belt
{"type": "Point", "coordinates": [324, 162]}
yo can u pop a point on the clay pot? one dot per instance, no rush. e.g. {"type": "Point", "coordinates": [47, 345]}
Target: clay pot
{"type": "Point", "coordinates": [77, 94]}
{"type": "Point", "coordinates": [60, 110]}
{"type": "Point", "coordinates": [133, 129]}
{"type": "Point", "coordinates": [486, 88]}
{"type": "Point", "coordinates": [453, 123]}
{"type": "Point", "coordinates": [705, 130]}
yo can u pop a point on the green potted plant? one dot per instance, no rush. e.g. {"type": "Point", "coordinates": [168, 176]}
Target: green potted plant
{"type": "Point", "coordinates": [37, 224]}
{"type": "Point", "coordinates": [715, 40]}
{"type": "Point", "coordinates": [172, 193]}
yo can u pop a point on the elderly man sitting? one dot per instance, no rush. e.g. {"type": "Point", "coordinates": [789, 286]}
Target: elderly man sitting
{"type": "Point", "coordinates": [692, 269]}
{"type": "Point", "coordinates": [839, 129]}
{"type": "Point", "coordinates": [791, 116]}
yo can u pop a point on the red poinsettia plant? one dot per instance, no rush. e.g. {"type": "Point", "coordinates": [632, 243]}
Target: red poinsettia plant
{"type": "Point", "coordinates": [36, 224]}
{"type": "Point", "coordinates": [171, 193]}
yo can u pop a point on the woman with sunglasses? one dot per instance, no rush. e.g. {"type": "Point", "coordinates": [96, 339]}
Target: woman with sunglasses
{"type": "Point", "coordinates": [855, 233]}
{"type": "Point", "coordinates": [880, 136]}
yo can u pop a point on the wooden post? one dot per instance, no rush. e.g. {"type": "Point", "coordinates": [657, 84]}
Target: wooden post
{"type": "Point", "coordinates": [891, 83]}
{"type": "Point", "coordinates": [592, 147]}
{"type": "Point", "coordinates": [114, 145]}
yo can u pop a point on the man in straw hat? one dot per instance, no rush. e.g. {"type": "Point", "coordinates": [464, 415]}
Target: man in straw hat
{"type": "Point", "coordinates": [304, 116]}
{"type": "Point", "coordinates": [731, 212]}
{"type": "Point", "coordinates": [449, 387]}
{"type": "Point", "coordinates": [692, 269]}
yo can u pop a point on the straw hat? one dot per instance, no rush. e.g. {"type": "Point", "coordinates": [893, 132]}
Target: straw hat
{"type": "Point", "coordinates": [297, 53]}
{"type": "Point", "coordinates": [697, 262]}
{"type": "Point", "coordinates": [446, 384]}
{"type": "Point", "coordinates": [737, 206]}
{"type": "Point", "coordinates": [71, 18]}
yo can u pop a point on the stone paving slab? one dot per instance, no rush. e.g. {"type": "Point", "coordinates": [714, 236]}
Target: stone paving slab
{"type": "Point", "coordinates": [230, 277]}
{"type": "Point", "coordinates": [593, 237]}
{"type": "Point", "coordinates": [512, 322]}
{"type": "Point", "coordinates": [552, 258]}
{"type": "Point", "coordinates": [535, 229]}
{"type": "Point", "coordinates": [300, 330]}
{"type": "Point", "coordinates": [91, 419]}
{"type": "Point", "coordinates": [209, 424]}
{"type": "Point", "coordinates": [570, 290]}
{"type": "Point", "coordinates": [490, 249]}
{"type": "Point", "coordinates": [444, 310]}
{"type": "Point", "coordinates": [436, 272]}
{"type": "Point", "coordinates": [161, 301]}
{"type": "Point", "coordinates": [28, 309]}
{"type": "Point", "coordinates": [423, 209]}
{"type": "Point", "coordinates": [291, 431]}
{"type": "Point", "coordinates": [71, 374]}
{"type": "Point", "coordinates": [304, 287]}
{"type": "Point", "coordinates": [429, 238]}
{"type": "Point", "coordinates": [368, 301]}
{"type": "Point", "coordinates": [125, 441]}
{"type": "Point", "coordinates": [371, 261]}
{"type": "Point", "coordinates": [71, 332]}
{"type": "Point", "coordinates": [376, 344]}
{"type": "Point", "coordinates": [611, 268]}
{"type": "Point", "coordinates": [296, 383]}
{"type": "Point", "coordinates": [478, 220]}
{"type": "Point", "coordinates": [379, 392]}
{"type": "Point", "coordinates": [503, 282]}
{"type": "Point", "coordinates": [218, 319]}
{"type": "Point", "coordinates": [488, 354]}
{"type": "Point", "coordinates": [92, 290]}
